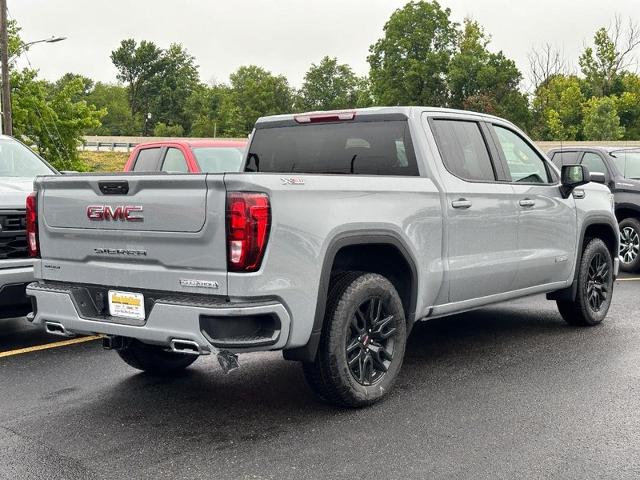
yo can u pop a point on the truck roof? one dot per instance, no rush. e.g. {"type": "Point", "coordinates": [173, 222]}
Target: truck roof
{"type": "Point", "coordinates": [592, 148]}
{"type": "Point", "coordinates": [407, 111]}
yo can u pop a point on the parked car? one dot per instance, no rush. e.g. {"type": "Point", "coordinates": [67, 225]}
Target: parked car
{"type": "Point", "coordinates": [18, 167]}
{"type": "Point", "coordinates": [343, 230]}
{"type": "Point", "coordinates": [187, 156]}
{"type": "Point", "coordinates": [621, 170]}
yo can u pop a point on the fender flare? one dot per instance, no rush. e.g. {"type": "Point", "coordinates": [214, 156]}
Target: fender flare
{"type": "Point", "coordinates": [307, 353]}
{"type": "Point", "coordinates": [570, 292]}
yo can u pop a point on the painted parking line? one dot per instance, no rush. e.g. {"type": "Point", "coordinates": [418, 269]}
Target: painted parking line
{"type": "Point", "coordinates": [48, 346]}
{"type": "Point", "coordinates": [633, 279]}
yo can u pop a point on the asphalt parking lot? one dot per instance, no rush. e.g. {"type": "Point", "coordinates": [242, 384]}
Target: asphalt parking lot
{"type": "Point", "coordinates": [508, 391]}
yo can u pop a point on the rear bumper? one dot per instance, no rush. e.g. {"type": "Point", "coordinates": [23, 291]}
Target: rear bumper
{"type": "Point", "coordinates": [13, 301]}
{"type": "Point", "coordinates": [214, 325]}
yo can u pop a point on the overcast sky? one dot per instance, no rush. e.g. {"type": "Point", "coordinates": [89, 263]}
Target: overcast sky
{"type": "Point", "coordinates": [284, 36]}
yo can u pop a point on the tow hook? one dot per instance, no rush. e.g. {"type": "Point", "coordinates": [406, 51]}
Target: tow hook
{"type": "Point", "coordinates": [115, 342]}
{"type": "Point", "coordinates": [227, 360]}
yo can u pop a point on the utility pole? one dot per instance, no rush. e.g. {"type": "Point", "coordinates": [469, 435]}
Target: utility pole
{"type": "Point", "coordinates": [4, 60]}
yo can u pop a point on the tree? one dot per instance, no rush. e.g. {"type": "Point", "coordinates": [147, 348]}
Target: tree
{"type": "Point", "coordinates": [114, 100]}
{"type": "Point", "coordinates": [254, 93]}
{"type": "Point", "coordinates": [558, 109]}
{"type": "Point", "coordinates": [329, 86]}
{"type": "Point", "coordinates": [545, 63]}
{"type": "Point", "coordinates": [601, 121]}
{"type": "Point", "coordinates": [409, 64]}
{"type": "Point", "coordinates": [137, 67]}
{"type": "Point", "coordinates": [485, 81]}
{"type": "Point", "coordinates": [47, 117]}
{"type": "Point", "coordinates": [176, 79]}
{"type": "Point", "coordinates": [15, 44]}
{"type": "Point", "coordinates": [164, 130]}
{"type": "Point", "coordinates": [612, 53]}
{"type": "Point", "coordinates": [203, 110]}
{"type": "Point", "coordinates": [628, 106]}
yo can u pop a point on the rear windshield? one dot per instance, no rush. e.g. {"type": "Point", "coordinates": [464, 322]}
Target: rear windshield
{"type": "Point", "coordinates": [371, 148]}
{"type": "Point", "coordinates": [218, 159]}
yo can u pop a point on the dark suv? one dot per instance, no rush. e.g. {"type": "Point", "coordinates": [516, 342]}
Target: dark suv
{"type": "Point", "coordinates": [621, 169]}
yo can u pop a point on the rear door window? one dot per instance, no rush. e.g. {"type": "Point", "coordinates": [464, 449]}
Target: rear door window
{"type": "Point", "coordinates": [174, 161]}
{"type": "Point", "coordinates": [147, 160]}
{"type": "Point", "coordinates": [365, 147]}
{"type": "Point", "coordinates": [463, 150]}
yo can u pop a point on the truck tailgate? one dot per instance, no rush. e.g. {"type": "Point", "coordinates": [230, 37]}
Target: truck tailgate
{"type": "Point", "coordinates": [153, 232]}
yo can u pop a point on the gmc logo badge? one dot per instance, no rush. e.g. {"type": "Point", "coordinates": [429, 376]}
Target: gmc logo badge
{"type": "Point", "coordinates": [124, 213]}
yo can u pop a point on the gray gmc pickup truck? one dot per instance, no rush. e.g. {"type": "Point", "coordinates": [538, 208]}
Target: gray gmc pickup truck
{"type": "Point", "coordinates": [342, 231]}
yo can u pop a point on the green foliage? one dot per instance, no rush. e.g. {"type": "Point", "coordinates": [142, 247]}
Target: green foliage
{"type": "Point", "coordinates": [15, 44]}
{"type": "Point", "coordinates": [628, 105]}
{"type": "Point", "coordinates": [114, 100]}
{"type": "Point", "coordinates": [254, 93]}
{"type": "Point", "coordinates": [330, 86]}
{"type": "Point", "coordinates": [138, 66]}
{"type": "Point", "coordinates": [558, 109]}
{"type": "Point", "coordinates": [600, 65]}
{"type": "Point", "coordinates": [601, 120]}
{"type": "Point", "coordinates": [409, 64]}
{"type": "Point", "coordinates": [203, 110]}
{"type": "Point", "coordinates": [47, 117]}
{"type": "Point", "coordinates": [484, 81]}
{"type": "Point", "coordinates": [177, 78]}
{"type": "Point", "coordinates": [164, 130]}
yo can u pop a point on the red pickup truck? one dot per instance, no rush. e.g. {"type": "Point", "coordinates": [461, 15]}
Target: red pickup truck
{"type": "Point", "coordinates": [187, 156]}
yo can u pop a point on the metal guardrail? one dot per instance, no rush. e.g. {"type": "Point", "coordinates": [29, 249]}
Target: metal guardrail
{"type": "Point", "coordinates": [109, 146]}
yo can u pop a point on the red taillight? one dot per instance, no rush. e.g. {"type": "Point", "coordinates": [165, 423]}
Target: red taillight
{"type": "Point", "coordinates": [33, 246]}
{"type": "Point", "coordinates": [248, 223]}
{"type": "Point", "coordinates": [321, 117]}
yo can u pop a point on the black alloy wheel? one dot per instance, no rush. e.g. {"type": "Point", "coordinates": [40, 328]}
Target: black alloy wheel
{"type": "Point", "coordinates": [598, 282]}
{"type": "Point", "coordinates": [370, 341]}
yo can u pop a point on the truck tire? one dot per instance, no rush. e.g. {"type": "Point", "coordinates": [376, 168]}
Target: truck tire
{"type": "Point", "coordinates": [362, 344]}
{"type": "Point", "coordinates": [629, 245]}
{"type": "Point", "coordinates": [154, 359]}
{"type": "Point", "coordinates": [595, 287]}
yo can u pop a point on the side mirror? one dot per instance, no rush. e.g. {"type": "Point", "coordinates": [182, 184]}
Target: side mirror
{"type": "Point", "coordinates": [598, 177]}
{"type": "Point", "coordinates": [68, 172]}
{"type": "Point", "coordinates": [573, 176]}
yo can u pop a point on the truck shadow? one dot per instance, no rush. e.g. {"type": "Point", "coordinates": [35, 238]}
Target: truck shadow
{"type": "Point", "coordinates": [267, 399]}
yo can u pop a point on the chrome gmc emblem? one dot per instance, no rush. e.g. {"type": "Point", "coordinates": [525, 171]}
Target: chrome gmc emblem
{"type": "Point", "coordinates": [124, 213]}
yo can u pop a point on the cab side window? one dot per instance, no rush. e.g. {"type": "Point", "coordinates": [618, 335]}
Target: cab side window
{"type": "Point", "coordinates": [463, 150]}
{"type": "Point", "coordinates": [564, 158]}
{"type": "Point", "coordinates": [174, 162]}
{"type": "Point", "coordinates": [147, 160]}
{"type": "Point", "coordinates": [523, 162]}
{"type": "Point", "coordinates": [594, 162]}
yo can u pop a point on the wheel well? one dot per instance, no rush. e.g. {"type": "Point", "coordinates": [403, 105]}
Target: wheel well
{"type": "Point", "coordinates": [623, 213]}
{"type": "Point", "coordinates": [605, 233]}
{"type": "Point", "coordinates": [383, 259]}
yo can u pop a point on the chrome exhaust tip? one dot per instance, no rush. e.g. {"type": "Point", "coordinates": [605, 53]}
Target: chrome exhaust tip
{"type": "Point", "coordinates": [185, 346]}
{"type": "Point", "coordinates": [55, 328]}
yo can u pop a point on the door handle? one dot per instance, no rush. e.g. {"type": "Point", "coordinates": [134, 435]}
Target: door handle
{"type": "Point", "coordinates": [527, 202]}
{"type": "Point", "coordinates": [461, 203]}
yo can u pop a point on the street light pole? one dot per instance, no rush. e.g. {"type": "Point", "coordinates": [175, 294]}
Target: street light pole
{"type": "Point", "coordinates": [7, 128]}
